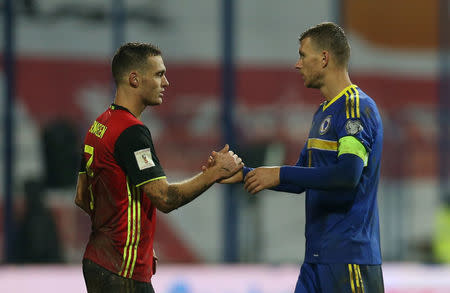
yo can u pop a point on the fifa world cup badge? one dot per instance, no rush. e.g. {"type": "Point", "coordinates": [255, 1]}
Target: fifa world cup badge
{"type": "Point", "coordinates": [353, 127]}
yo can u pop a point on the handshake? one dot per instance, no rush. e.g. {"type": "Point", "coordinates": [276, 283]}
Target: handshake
{"type": "Point", "coordinates": [228, 167]}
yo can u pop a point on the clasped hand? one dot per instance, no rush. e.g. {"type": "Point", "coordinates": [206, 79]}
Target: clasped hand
{"type": "Point", "coordinates": [255, 181]}
{"type": "Point", "coordinates": [226, 162]}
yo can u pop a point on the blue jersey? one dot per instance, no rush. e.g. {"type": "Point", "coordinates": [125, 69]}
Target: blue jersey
{"type": "Point", "coordinates": [342, 226]}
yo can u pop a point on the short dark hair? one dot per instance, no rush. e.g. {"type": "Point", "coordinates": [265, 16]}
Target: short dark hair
{"type": "Point", "coordinates": [329, 36]}
{"type": "Point", "coordinates": [130, 56]}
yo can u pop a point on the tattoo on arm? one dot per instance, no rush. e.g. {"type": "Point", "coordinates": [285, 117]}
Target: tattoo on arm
{"type": "Point", "coordinates": [168, 197]}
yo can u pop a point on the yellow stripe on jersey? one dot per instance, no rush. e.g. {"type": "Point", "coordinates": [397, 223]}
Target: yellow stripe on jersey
{"type": "Point", "coordinates": [351, 145]}
{"type": "Point", "coordinates": [322, 144]}
{"type": "Point", "coordinates": [133, 234]}
{"type": "Point", "coordinates": [309, 159]}
{"type": "Point", "coordinates": [352, 104]}
{"type": "Point", "coordinates": [350, 271]}
{"type": "Point", "coordinates": [347, 106]}
{"type": "Point", "coordinates": [129, 216]}
{"type": "Point", "coordinates": [357, 101]}
{"type": "Point", "coordinates": [138, 228]}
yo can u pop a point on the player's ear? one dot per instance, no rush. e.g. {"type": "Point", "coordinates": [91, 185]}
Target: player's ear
{"type": "Point", "coordinates": [325, 58]}
{"type": "Point", "coordinates": [133, 79]}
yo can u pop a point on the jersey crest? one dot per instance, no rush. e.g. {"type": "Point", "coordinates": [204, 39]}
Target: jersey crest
{"type": "Point", "coordinates": [325, 125]}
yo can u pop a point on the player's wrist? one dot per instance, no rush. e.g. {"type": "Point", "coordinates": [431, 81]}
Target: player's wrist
{"type": "Point", "coordinates": [212, 174]}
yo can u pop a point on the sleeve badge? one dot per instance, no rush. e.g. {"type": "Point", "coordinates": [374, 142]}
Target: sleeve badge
{"type": "Point", "coordinates": [353, 127]}
{"type": "Point", "coordinates": [144, 159]}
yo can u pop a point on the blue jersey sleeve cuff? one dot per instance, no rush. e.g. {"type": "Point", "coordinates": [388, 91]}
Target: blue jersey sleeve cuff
{"type": "Point", "coordinates": [245, 170]}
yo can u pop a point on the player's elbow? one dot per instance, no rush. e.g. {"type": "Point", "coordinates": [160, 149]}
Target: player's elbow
{"type": "Point", "coordinates": [347, 182]}
{"type": "Point", "coordinates": [352, 182]}
{"type": "Point", "coordinates": [165, 208]}
{"type": "Point", "coordinates": [78, 202]}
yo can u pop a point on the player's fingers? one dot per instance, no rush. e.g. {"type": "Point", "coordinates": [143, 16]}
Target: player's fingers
{"type": "Point", "coordinates": [224, 149]}
{"type": "Point", "coordinates": [256, 190]}
{"type": "Point", "coordinates": [249, 175]}
{"type": "Point", "coordinates": [249, 182]}
{"type": "Point", "coordinates": [231, 153]}
{"type": "Point", "coordinates": [251, 187]}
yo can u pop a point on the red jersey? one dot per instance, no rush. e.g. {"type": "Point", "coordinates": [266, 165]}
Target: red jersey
{"type": "Point", "coordinates": [119, 157]}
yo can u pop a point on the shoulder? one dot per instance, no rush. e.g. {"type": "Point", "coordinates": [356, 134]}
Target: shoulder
{"type": "Point", "coordinates": [367, 106]}
{"type": "Point", "coordinates": [120, 121]}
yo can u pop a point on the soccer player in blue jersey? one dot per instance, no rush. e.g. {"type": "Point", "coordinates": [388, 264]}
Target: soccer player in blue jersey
{"type": "Point", "coordinates": [338, 168]}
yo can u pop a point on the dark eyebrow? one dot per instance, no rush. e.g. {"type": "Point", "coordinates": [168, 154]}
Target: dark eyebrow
{"type": "Point", "coordinates": [161, 72]}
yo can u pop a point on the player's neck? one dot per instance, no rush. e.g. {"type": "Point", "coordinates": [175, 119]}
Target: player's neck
{"type": "Point", "coordinates": [334, 83]}
{"type": "Point", "coordinates": [133, 105]}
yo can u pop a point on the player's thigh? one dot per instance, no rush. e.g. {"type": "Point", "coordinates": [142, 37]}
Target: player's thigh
{"type": "Point", "coordinates": [372, 278]}
{"type": "Point", "coordinates": [351, 278]}
{"type": "Point", "coordinates": [100, 280]}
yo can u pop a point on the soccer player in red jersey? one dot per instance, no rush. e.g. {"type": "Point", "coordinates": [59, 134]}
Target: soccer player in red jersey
{"type": "Point", "coordinates": [121, 182]}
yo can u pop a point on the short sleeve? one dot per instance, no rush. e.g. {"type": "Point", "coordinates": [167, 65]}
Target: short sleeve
{"type": "Point", "coordinates": [359, 127]}
{"type": "Point", "coordinates": [135, 154]}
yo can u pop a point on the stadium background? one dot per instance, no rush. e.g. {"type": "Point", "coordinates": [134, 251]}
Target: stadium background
{"type": "Point", "coordinates": [62, 50]}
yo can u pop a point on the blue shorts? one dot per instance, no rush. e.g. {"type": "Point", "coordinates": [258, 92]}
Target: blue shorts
{"type": "Point", "coordinates": [340, 278]}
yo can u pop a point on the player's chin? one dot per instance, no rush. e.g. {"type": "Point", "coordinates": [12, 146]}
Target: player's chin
{"type": "Point", "coordinates": [156, 102]}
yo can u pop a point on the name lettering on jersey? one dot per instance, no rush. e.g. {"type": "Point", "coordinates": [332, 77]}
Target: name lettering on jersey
{"type": "Point", "coordinates": [98, 129]}
{"type": "Point", "coordinates": [353, 127]}
{"type": "Point", "coordinates": [325, 125]}
{"type": "Point", "coordinates": [144, 159]}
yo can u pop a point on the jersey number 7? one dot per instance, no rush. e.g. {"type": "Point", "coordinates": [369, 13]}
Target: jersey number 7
{"type": "Point", "coordinates": [90, 150]}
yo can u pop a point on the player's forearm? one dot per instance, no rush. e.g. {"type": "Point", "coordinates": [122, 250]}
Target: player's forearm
{"type": "Point", "coordinates": [291, 188]}
{"type": "Point", "coordinates": [82, 193]}
{"type": "Point", "coordinates": [179, 194]}
{"type": "Point", "coordinates": [343, 175]}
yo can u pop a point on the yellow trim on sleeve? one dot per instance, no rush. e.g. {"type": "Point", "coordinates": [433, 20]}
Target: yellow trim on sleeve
{"type": "Point", "coordinates": [153, 179]}
{"type": "Point", "coordinates": [82, 172]}
{"type": "Point", "coordinates": [351, 145]}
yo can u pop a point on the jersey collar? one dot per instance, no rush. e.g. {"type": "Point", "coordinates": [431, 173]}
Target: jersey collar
{"type": "Point", "coordinates": [341, 94]}
{"type": "Point", "coordinates": [118, 107]}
